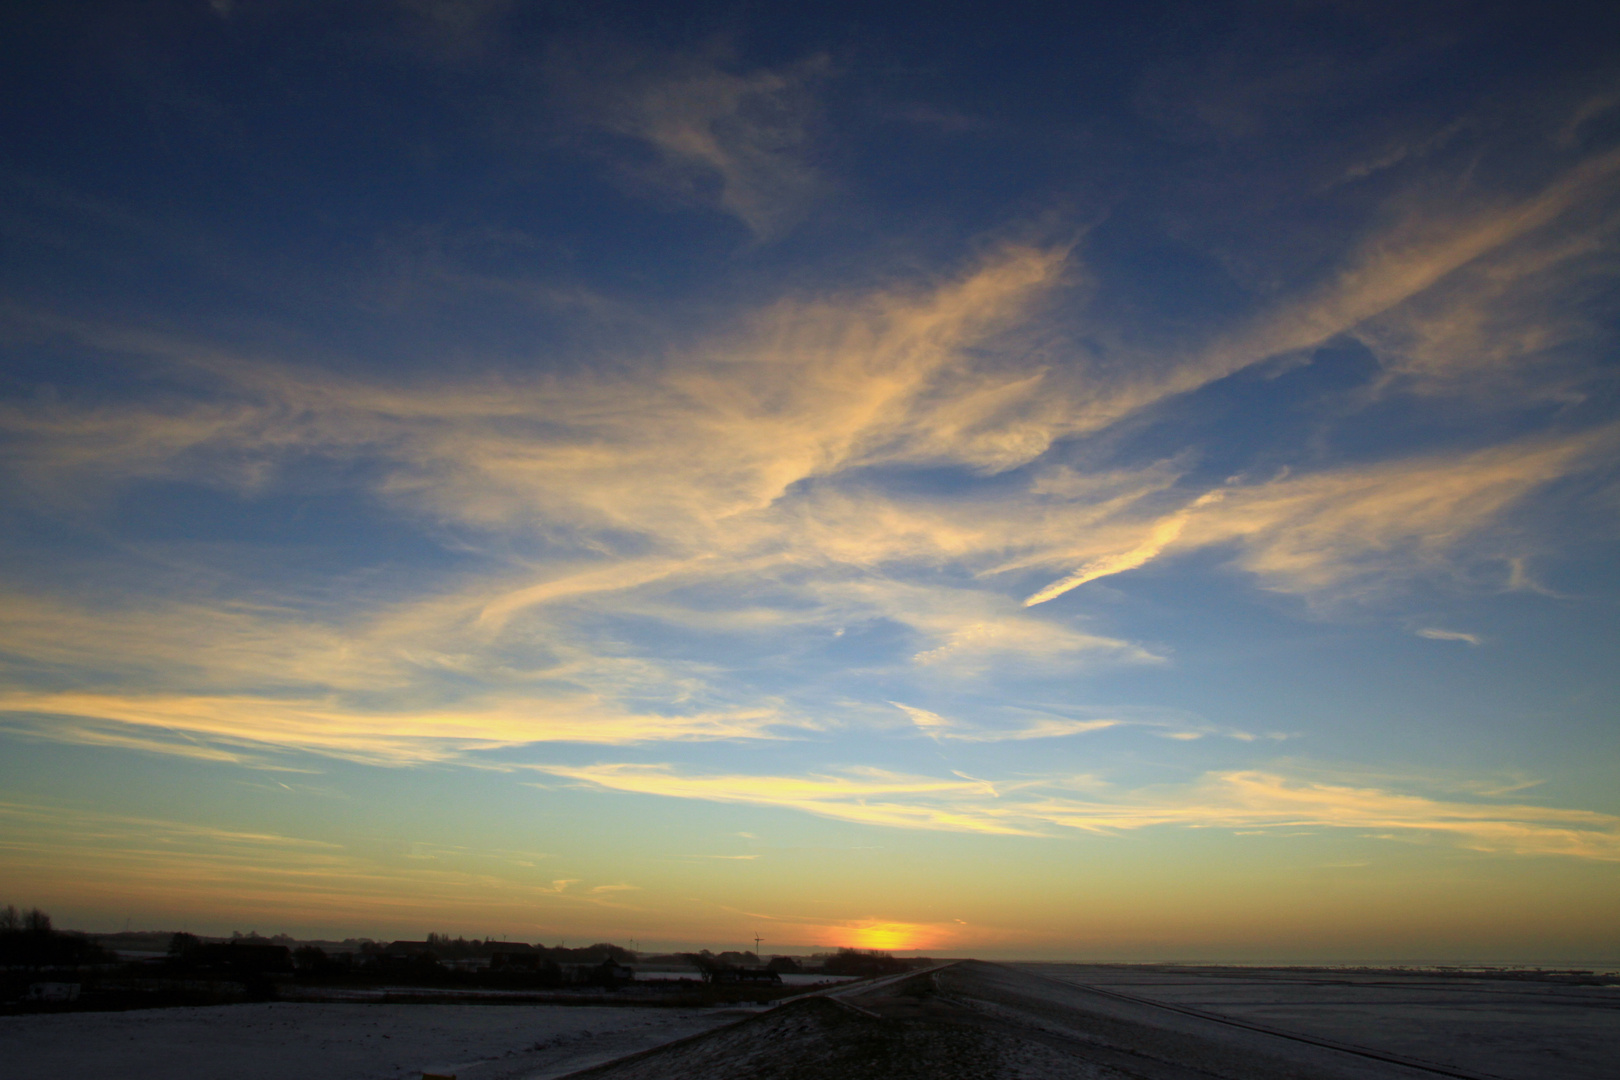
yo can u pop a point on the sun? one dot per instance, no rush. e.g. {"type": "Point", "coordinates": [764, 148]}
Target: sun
{"type": "Point", "coordinates": [888, 936]}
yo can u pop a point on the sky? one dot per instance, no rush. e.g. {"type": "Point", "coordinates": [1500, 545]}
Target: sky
{"type": "Point", "coordinates": [1105, 482]}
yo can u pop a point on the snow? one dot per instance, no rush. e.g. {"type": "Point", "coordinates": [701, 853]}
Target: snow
{"type": "Point", "coordinates": [967, 1020]}
{"type": "Point", "coordinates": [295, 1041]}
{"type": "Point", "coordinates": [1511, 1029]}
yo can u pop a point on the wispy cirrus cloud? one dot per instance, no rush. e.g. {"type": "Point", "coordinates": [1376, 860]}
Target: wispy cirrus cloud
{"type": "Point", "coordinates": [1031, 723]}
{"type": "Point", "coordinates": [806, 391]}
{"type": "Point", "coordinates": [383, 737]}
{"type": "Point", "coordinates": [1317, 532]}
{"type": "Point", "coordinates": [1518, 323]}
{"type": "Point", "coordinates": [1434, 633]}
{"type": "Point", "coordinates": [801, 390]}
{"type": "Point", "coordinates": [1248, 799]}
{"type": "Point", "coordinates": [867, 795]}
{"type": "Point", "coordinates": [1160, 535]}
{"type": "Point", "coordinates": [1456, 281]}
{"type": "Point", "coordinates": [1045, 727]}
{"type": "Point", "coordinates": [737, 486]}
{"type": "Point", "coordinates": [736, 140]}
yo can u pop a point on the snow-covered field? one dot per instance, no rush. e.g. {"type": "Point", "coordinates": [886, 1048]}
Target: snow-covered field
{"type": "Point", "coordinates": [1511, 1029]}
{"type": "Point", "coordinates": [292, 1041]}
{"type": "Point", "coordinates": [965, 1021]}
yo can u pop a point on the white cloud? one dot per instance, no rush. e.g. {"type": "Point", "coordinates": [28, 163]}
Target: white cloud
{"type": "Point", "coordinates": [1436, 634]}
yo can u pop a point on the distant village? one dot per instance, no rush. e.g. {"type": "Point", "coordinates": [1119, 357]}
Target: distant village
{"type": "Point", "coordinates": [43, 967]}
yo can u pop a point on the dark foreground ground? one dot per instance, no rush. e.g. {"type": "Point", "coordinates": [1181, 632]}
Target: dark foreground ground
{"type": "Point", "coordinates": [972, 1020]}
{"type": "Point", "coordinates": [963, 1020]}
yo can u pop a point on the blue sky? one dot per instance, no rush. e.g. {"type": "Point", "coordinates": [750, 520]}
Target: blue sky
{"type": "Point", "coordinates": [1116, 484]}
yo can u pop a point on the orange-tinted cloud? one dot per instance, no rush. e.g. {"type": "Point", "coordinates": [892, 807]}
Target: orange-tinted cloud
{"type": "Point", "coordinates": [1236, 800]}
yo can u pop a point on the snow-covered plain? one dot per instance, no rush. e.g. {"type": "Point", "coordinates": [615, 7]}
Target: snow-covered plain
{"type": "Point", "coordinates": [961, 1021]}
{"type": "Point", "coordinates": [295, 1041]}
{"type": "Point", "coordinates": [1506, 1028]}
